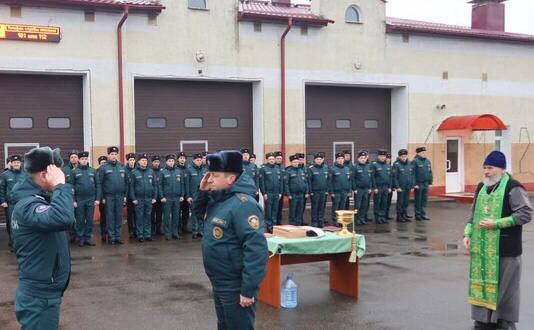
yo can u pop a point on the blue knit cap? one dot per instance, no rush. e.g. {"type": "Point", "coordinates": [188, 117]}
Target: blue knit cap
{"type": "Point", "coordinates": [496, 158]}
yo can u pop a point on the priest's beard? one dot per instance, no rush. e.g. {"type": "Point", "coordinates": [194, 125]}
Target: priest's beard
{"type": "Point", "coordinates": [492, 180]}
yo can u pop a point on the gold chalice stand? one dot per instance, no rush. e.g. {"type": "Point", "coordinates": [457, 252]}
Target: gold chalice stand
{"type": "Point", "coordinates": [345, 218]}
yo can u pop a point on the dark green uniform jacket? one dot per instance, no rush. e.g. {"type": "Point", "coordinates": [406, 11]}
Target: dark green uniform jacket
{"type": "Point", "coordinates": [84, 181]}
{"type": "Point", "coordinates": [422, 169]}
{"type": "Point", "coordinates": [362, 176]}
{"type": "Point", "coordinates": [143, 184]}
{"type": "Point", "coordinates": [113, 180]}
{"type": "Point", "coordinates": [296, 180]}
{"type": "Point", "coordinates": [234, 248]}
{"type": "Point", "coordinates": [271, 180]}
{"type": "Point", "coordinates": [402, 173]}
{"type": "Point", "coordinates": [318, 178]}
{"type": "Point", "coordinates": [38, 227]}
{"type": "Point", "coordinates": [172, 184]}
{"type": "Point", "coordinates": [8, 179]}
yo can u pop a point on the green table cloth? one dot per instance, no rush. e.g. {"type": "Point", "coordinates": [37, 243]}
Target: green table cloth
{"type": "Point", "coordinates": [330, 243]}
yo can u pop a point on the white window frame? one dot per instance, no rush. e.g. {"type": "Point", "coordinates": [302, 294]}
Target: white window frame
{"type": "Point", "coordinates": [184, 142]}
{"type": "Point", "coordinates": [8, 145]}
{"type": "Point", "coordinates": [199, 8]}
{"type": "Point", "coordinates": [358, 11]}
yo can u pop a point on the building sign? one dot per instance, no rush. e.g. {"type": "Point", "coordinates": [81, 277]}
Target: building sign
{"type": "Point", "coordinates": [29, 32]}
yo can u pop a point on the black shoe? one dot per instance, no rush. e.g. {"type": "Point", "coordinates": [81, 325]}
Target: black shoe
{"type": "Point", "coordinates": [149, 239]}
{"type": "Point", "coordinates": [406, 219]}
{"type": "Point", "coordinates": [140, 240]}
{"type": "Point", "coordinates": [424, 217]}
{"type": "Point", "coordinates": [177, 237]}
{"type": "Point", "coordinates": [484, 326]}
{"type": "Point", "coordinates": [119, 241]}
{"type": "Point", "coordinates": [389, 218]}
{"type": "Point", "coordinates": [418, 218]}
{"type": "Point", "coordinates": [505, 325]}
{"type": "Point", "coordinates": [408, 216]}
{"type": "Point", "coordinates": [103, 239]}
{"type": "Point", "coordinates": [194, 236]}
{"type": "Point", "coordinates": [400, 219]}
{"type": "Point", "coordinates": [167, 238]}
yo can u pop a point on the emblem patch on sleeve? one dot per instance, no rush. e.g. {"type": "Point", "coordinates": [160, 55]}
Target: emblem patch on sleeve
{"type": "Point", "coordinates": [217, 232]}
{"type": "Point", "coordinates": [42, 208]}
{"type": "Point", "coordinates": [254, 221]}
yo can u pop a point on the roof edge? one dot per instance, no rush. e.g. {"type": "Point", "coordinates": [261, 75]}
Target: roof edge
{"type": "Point", "coordinates": [86, 5]}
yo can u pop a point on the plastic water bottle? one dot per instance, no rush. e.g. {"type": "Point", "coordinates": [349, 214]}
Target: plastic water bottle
{"type": "Point", "coordinates": [289, 293]}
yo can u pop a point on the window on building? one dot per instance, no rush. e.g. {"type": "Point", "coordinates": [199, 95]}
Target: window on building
{"type": "Point", "coordinates": [193, 123]}
{"type": "Point", "coordinates": [152, 19]}
{"type": "Point", "coordinates": [58, 122]}
{"type": "Point", "coordinates": [314, 123]}
{"type": "Point", "coordinates": [343, 123]}
{"type": "Point", "coordinates": [370, 123]}
{"type": "Point", "coordinates": [21, 122]}
{"type": "Point", "coordinates": [352, 14]}
{"type": "Point", "coordinates": [89, 16]}
{"type": "Point", "coordinates": [156, 122]}
{"type": "Point", "coordinates": [197, 4]}
{"type": "Point", "coordinates": [15, 11]}
{"type": "Point", "coordinates": [228, 122]}
{"type": "Point", "coordinates": [498, 140]}
{"type": "Point", "coordinates": [257, 27]}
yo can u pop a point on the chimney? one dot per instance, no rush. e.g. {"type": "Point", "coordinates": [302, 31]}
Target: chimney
{"type": "Point", "coordinates": [488, 15]}
{"type": "Point", "coordinates": [286, 3]}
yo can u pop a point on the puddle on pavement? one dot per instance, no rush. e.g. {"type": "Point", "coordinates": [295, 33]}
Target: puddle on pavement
{"type": "Point", "coordinates": [376, 255]}
{"type": "Point", "coordinates": [415, 253]}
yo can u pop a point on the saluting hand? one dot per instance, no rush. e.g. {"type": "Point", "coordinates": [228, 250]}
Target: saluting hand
{"type": "Point", "coordinates": [204, 184]}
{"type": "Point", "coordinates": [54, 175]}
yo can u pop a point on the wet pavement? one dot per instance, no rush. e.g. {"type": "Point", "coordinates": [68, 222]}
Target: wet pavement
{"type": "Point", "coordinates": [414, 276]}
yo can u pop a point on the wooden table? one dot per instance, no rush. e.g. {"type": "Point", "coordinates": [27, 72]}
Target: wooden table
{"type": "Point", "coordinates": [344, 276]}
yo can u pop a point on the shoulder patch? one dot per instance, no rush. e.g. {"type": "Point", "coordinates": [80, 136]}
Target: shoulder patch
{"type": "Point", "coordinates": [41, 208]}
{"type": "Point", "coordinates": [254, 221]}
{"type": "Point", "coordinates": [242, 197]}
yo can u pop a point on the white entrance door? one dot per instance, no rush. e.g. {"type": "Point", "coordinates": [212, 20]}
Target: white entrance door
{"type": "Point", "coordinates": [454, 180]}
{"type": "Point", "coordinates": [339, 146]}
{"type": "Point", "coordinates": [18, 148]}
{"type": "Point", "coordinates": [193, 146]}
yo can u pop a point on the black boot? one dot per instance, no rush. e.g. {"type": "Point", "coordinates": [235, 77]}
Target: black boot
{"type": "Point", "coordinates": [406, 218]}
{"type": "Point", "coordinates": [400, 219]}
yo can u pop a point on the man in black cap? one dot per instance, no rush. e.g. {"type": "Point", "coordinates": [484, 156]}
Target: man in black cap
{"type": "Point", "coordinates": [131, 163]}
{"type": "Point", "coordinates": [382, 186]}
{"type": "Point", "coordinates": [403, 182]}
{"type": "Point", "coordinates": [143, 193]}
{"type": "Point", "coordinates": [272, 187]}
{"type": "Point", "coordinates": [83, 180]}
{"type": "Point", "coordinates": [423, 179]}
{"type": "Point", "coordinates": [112, 192]}
{"type": "Point", "coordinates": [339, 185]}
{"type": "Point", "coordinates": [73, 162]}
{"type": "Point", "coordinates": [157, 209]}
{"type": "Point", "coordinates": [101, 207]}
{"type": "Point", "coordinates": [279, 161]}
{"type": "Point", "coordinates": [196, 173]}
{"type": "Point", "coordinates": [171, 193]}
{"type": "Point", "coordinates": [185, 207]}
{"type": "Point", "coordinates": [390, 195]}
{"type": "Point", "coordinates": [296, 190]}
{"type": "Point", "coordinates": [347, 154]}
{"type": "Point", "coordinates": [234, 249]}
{"type": "Point", "coordinates": [67, 169]}
{"type": "Point", "coordinates": [42, 214]}
{"type": "Point", "coordinates": [250, 169]}
{"type": "Point", "coordinates": [8, 179]}
{"type": "Point", "coordinates": [318, 185]}
{"type": "Point", "coordinates": [362, 183]}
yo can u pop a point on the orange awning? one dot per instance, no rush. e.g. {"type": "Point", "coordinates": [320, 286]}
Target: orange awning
{"type": "Point", "coordinates": [485, 122]}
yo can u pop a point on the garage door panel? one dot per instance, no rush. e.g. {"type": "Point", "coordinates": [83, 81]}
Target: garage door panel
{"type": "Point", "coordinates": [178, 100]}
{"type": "Point", "coordinates": [358, 105]}
{"type": "Point", "coordinates": [41, 97]}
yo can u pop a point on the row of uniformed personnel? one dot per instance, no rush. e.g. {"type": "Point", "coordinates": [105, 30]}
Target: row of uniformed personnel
{"type": "Point", "coordinates": [362, 179]}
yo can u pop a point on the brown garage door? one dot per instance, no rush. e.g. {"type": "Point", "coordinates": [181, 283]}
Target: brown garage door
{"type": "Point", "coordinates": [44, 110]}
{"type": "Point", "coordinates": [347, 118]}
{"type": "Point", "coordinates": [192, 116]}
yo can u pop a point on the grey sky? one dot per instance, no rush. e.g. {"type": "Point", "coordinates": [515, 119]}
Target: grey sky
{"type": "Point", "coordinates": [519, 13]}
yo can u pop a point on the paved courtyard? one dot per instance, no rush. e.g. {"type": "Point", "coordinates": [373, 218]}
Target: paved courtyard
{"type": "Point", "coordinates": [414, 276]}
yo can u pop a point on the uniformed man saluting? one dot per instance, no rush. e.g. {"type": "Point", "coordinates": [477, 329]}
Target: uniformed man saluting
{"type": "Point", "coordinates": [43, 213]}
{"type": "Point", "coordinates": [234, 248]}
